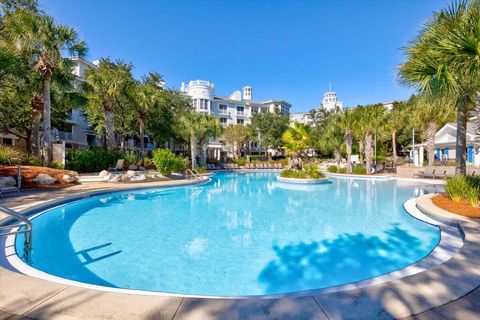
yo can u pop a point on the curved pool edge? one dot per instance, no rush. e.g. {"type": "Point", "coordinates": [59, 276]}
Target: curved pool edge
{"type": "Point", "coordinates": [450, 242]}
{"type": "Point", "coordinates": [411, 295]}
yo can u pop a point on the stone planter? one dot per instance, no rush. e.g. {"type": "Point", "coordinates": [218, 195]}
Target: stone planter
{"type": "Point", "coordinates": [303, 181]}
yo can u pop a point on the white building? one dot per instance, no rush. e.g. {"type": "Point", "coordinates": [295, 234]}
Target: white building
{"type": "Point", "coordinates": [237, 108]}
{"type": "Point", "coordinates": [330, 101]}
{"type": "Point", "coordinates": [301, 117]}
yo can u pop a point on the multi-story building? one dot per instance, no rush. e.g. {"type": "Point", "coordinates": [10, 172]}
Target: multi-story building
{"type": "Point", "coordinates": [237, 108]}
{"type": "Point", "coordinates": [329, 103]}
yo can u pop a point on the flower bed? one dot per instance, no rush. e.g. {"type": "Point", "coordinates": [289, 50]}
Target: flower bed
{"type": "Point", "coordinates": [462, 207]}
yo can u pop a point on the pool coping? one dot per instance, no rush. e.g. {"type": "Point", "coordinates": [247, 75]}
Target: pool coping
{"type": "Point", "coordinates": [467, 230]}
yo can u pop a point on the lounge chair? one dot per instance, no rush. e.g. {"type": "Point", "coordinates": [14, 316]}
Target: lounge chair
{"type": "Point", "coordinates": [270, 166]}
{"type": "Point", "coordinates": [471, 171]}
{"type": "Point", "coordinates": [449, 172]}
{"type": "Point", "coordinates": [261, 166]}
{"type": "Point", "coordinates": [118, 166]}
{"type": "Point", "coordinates": [429, 172]}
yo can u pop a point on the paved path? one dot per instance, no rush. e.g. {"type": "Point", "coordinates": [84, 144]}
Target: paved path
{"type": "Point", "coordinates": [31, 298]}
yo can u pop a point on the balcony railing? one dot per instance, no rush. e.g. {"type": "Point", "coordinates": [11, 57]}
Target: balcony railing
{"type": "Point", "coordinates": [241, 113]}
{"type": "Point", "coordinates": [67, 136]}
{"type": "Point", "coordinates": [223, 112]}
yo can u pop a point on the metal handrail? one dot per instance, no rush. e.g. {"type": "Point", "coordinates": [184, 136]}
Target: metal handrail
{"type": "Point", "coordinates": [27, 230]}
{"type": "Point", "coordinates": [193, 173]}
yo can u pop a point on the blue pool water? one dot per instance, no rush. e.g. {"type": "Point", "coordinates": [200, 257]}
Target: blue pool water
{"type": "Point", "coordinates": [241, 234]}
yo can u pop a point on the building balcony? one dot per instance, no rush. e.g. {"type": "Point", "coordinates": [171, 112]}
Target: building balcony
{"type": "Point", "coordinates": [223, 112]}
{"type": "Point", "coordinates": [241, 114]}
{"type": "Point", "coordinates": [65, 136]}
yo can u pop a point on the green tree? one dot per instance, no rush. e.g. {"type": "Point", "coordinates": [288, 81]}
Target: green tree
{"type": "Point", "coordinates": [44, 41]}
{"type": "Point", "coordinates": [297, 139]}
{"type": "Point", "coordinates": [211, 129]}
{"type": "Point", "coordinates": [236, 135]}
{"type": "Point", "coordinates": [268, 129]}
{"type": "Point", "coordinates": [190, 126]}
{"type": "Point", "coordinates": [443, 62]}
{"type": "Point", "coordinates": [106, 89]}
{"type": "Point", "coordinates": [345, 121]}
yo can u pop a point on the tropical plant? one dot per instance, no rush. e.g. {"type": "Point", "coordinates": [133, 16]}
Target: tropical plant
{"type": "Point", "coordinates": [268, 128]}
{"type": "Point", "coordinates": [302, 174]}
{"type": "Point", "coordinates": [332, 169]}
{"type": "Point", "coordinates": [297, 139]}
{"type": "Point", "coordinates": [93, 160]}
{"type": "Point", "coordinates": [167, 162]}
{"type": "Point", "coordinates": [211, 129]}
{"type": "Point", "coordinates": [346, 122]}
{"type": "Point", "coordinates": [44, 41]}
{"type": "Point", "coordinates": [106, 89]}
{"type": "Point", "coordinates": [443, 62]}
{"type": "Point", "coordinates": [191, 127]}
{"type": "Point", "coordinates": [9, 155]}
{"type": "Point", "coordinates": [464, 187]}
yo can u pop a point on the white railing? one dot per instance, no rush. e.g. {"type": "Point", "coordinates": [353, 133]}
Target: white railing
{"type": "Point", "coordinates": [24, 227]}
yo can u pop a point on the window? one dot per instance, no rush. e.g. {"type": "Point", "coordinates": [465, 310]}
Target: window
{"type": "Point", "coordinates": [222, 108]}
{"type": "Point", "coordinates": [8, 141]}
{"type": "Point", "coordinates": [240, 108]}
{"type": "Point", "coordinates": [240, 121]}
{"type": "Point", "coordinates": [223, 121]}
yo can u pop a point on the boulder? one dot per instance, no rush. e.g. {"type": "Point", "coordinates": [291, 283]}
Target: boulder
{"type": "Point", "coordinates": [69, 179]}
{"type": "Point", "coordinates": [107, 177]}
{"type": "Point", "coordinates": [7, 182]}
{"type": "Point", "coordinates": [119, 178]}
{"type": "Point", "coordinates": [131, 173]}
{"type": "Point", "coordinates": [104, 173]}
{"type": "Point", "coordinates": [132, 167]}
{"type": "Point", "coordinates": [44, 179]}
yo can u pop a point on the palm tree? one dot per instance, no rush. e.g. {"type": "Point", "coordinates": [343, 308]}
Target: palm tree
{"type": "Point", "coordinates": [190, 125]}
{"type": "Point", "coordinates": [104, 87]}
{"type": "Point", "coordinates": [397, 119]}
{"type": "Point", "coordinates": [46, 41]}
{"type": "Point", "coordinates": [430, 115]}
{"type": "Point", "coordinates": [297, 138]}
{"type": "Point", "coordinates": [444, 62]}
{"type": "Point", "coordinates": [346, 123]}
{"type": "Point", "coordinates": [372, 119]}
{"type": "Point", "coordinates": [211, 128]}
{"type": "Point", "coordinates": [237, 135]}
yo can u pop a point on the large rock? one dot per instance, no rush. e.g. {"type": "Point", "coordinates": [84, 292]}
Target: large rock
{"type": "Point", "coordinates": [7, 182]}
{"type": "Point", "coordinates": [119, 178]}
{"type": "Point", "coordinates": [44, 179]}
{"type": "Point", "coordinates": [69, 179]}
{"type": "Point", "coordinates": [132, 167]}
{"type": "Point", "coordinates": [107, 177]}
{"type": "Point", "coordinates": [104, 173]}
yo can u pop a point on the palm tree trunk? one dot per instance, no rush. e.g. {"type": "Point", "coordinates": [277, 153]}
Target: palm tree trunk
{"type": "Point", "coordinates": [337, 158]}
{"type": "Point", "coordinates": [394, 145]}
{"type": "Point", "coordinates": [28, 141]}
{"type": "Point", "coordinates": [430, 131]}
{"type": "Point", "coordinates": [360, 149]}
{"type": "Point", "coordinates": [461, 142]}
{"type": "Point", "coordinates": [110, 129]}
{"type": "Point", "coordinates": [37, 118]}
{"type": "Point", "coordinates": [47, 126]}
{"type": "Point", "coordinates": [368, 151]}
{"type": "Point", "coordinates": [142, 141]}
{"type": "Point", "coordinates": [348, 146]}
{"type": "Point", "coordinates": [193, 150]}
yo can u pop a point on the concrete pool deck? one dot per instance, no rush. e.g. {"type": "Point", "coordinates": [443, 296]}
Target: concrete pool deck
{"type": "Point", "coordinates": [446, 291]}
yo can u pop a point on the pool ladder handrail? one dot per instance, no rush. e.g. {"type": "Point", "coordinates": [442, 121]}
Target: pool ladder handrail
{"type": "Point", "coordinates": [192, 173]}
{"type": "Point", "coordinates": [27, 230]}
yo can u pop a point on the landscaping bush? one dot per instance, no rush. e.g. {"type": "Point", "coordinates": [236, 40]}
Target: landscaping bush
{"type": "Point", "coordinates": [241, 161]}
{"type": "Point", "coordinates": [31, 160]}
{"type": "Point", "coordinates": [310, 173]}
{"type": "Point", "coordinates": [92, 160]}
{"type": "Point", "coordinates": [464, 188]}
{"type": "Point", "coordinates": [359, 170]}
{"type": "Point", "coordinates": [56, 165]}
{"type": "Point", "coordinates": [202, 170]}
{"type": "Point", "coordinates": [131, 157]}
{"type": "Point", "coordinates": [9, 155]}
{"type": "Point", "coordinates": [332, 169]}
{"type": "Point", "coordinates": [342, 170]}
{"type": "Point", "coordinates": [167, 162]}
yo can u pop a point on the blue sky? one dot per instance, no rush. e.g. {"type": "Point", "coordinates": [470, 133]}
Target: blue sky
{"type": "Point", "coordinates": [285, 50]}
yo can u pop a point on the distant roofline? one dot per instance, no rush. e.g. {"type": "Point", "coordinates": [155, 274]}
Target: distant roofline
{"type": "Point", "coordinates": [82, 60]}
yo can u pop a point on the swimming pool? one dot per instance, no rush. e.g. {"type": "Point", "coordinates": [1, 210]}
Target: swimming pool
{"type": "Point", "coordinates": [242, 234]}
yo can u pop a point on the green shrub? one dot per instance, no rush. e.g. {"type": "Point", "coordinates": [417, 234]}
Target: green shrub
{"type": "Point", "coordinates": [31, 160]}
{"type": "Point", "coordinates": [332, 169]}
{"type": "Point", "coordinates": [359, 170]}
{"type": "Point", "coordinates": [241, 161]}
{"type": "Point", "coordinates": [93, 160]}
{"type": "Point", "coordinates": [202, 170]}
{"type": "Point", "coordinates": [131, 157]}
{"type": "Point", "coordinates": [56, 165]}
{"type": "Point", "coordinates": [167, 162]}
{"type": "Point", "coordinates": [304, 174]}
{"type": "Point", "coordinates": [464, 188]}
{"type": "Point", "coordinates": [9, 155]}
{"type": "Point", "coordinates": [342, 170]}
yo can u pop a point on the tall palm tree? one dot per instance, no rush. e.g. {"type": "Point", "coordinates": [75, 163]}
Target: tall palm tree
{"type": "Point", "coordinates": [104, 87]}
{"type": "Point", "coordinates": [211, 129]}
{"type": "Point", "coordinates": [46, 41]}
{"type": "Point", "coordinates": [190, 125]}
{"type": "Point", "coordinates": [444, 62]}
{"type": "Point", "coordinates": [372, 120]}
{"type": "Point", "coordinates": [346, 123]}
{"type": "Point", "coordinates": [297, 138]}
{"type": "Point", "coordinates": [430, 115]}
